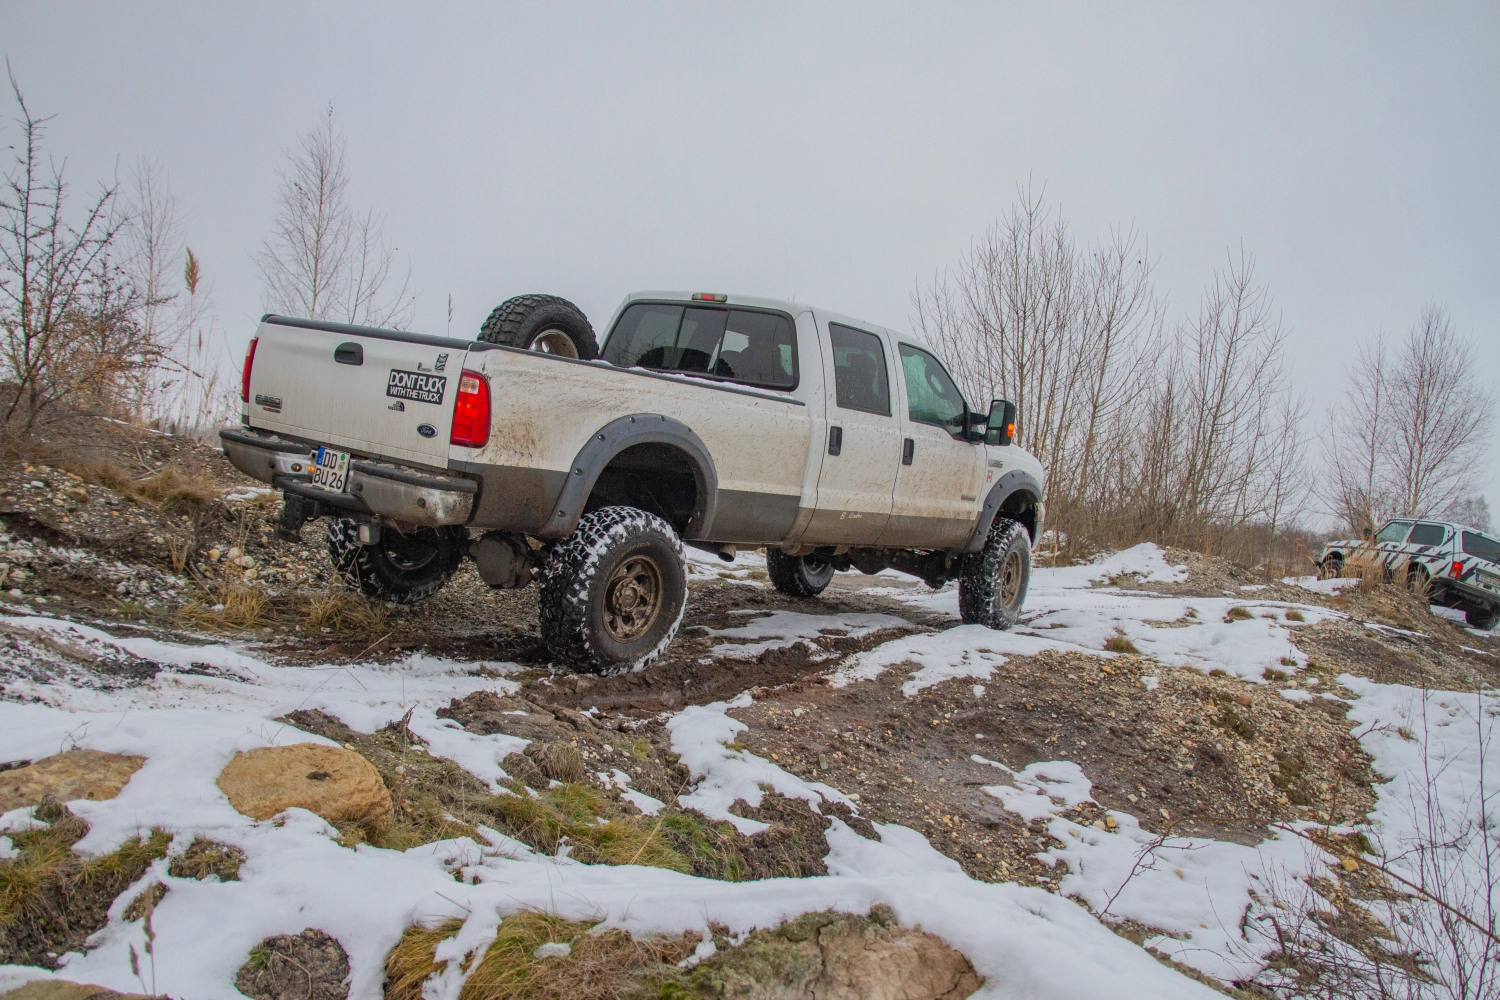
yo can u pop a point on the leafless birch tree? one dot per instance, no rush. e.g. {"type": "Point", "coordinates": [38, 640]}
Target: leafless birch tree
{"type": "Point", "coordinates": [324, 258]}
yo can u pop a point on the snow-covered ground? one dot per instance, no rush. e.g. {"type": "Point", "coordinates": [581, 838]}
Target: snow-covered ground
{"type": "Point", "coordinates": [1209, 897]}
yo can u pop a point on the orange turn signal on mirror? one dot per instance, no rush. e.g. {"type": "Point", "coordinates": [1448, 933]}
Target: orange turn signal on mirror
{"type": "Point", "coordinates": [471, 412]}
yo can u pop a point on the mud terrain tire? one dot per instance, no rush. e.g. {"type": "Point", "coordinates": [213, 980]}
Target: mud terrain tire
{"type": "Point", "coordinates": [613, 592]}
{"type": "Point", "coordinates": [798, 576]}
{"type": "Point", "coordinates": [402, 568]}
{"type": "Point", "coordinates": [992, 582]}
{"type": "Point", "coordinates": [1331, 568]}
{"type": "Point", "coordinates": [542, 323]}
{"type": "Point", "coordinates": [1483, 619]}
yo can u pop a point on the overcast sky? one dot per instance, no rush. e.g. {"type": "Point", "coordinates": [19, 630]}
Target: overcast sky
{"type": "Point", "coordinates": [835, 154]}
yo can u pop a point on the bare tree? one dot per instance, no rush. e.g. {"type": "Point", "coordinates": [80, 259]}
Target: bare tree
{"type": "Point", "coordinates": [1472, 510]}
{"type": "Point", "coordinates": [1411, 428]}
{"type": "Point", "coordinates": [69, 313]}
{"type": "Point", "coordinates": [1446, 416]}
{"type": "Point", "coordinates": [324, 258]}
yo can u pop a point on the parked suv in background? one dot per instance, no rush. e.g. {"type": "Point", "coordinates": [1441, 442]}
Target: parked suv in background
{"type": "Point", "coordinates": [1458, 566]}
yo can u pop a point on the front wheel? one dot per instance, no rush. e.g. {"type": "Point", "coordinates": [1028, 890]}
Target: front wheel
{"type": "Point", "coordinates": [402, 567]}
{"type": "Point", "coordinates": [992, 582]}
{"type": "Point", "coordinates": [798, 576]}
{"type": "Point", "coordinates": [1331, 568]}
{"type": "Point", "coordinates": [614, 591]}
{"type": "Point", "coordinates": [1483, 619]}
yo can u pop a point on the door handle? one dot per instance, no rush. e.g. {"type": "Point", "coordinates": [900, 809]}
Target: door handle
{"type": "Point", "coordinates": [908, 449]}
{"type": "Point", "coordinates": [835, 440]}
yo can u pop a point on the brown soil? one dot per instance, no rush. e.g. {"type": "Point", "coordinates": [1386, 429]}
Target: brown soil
{"type": "Point", "coordinates": [306, 966]}
{"type": "Point", "coordinates": [55, 898]}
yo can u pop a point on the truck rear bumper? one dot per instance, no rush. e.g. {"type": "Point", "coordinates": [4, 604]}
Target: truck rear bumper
{"type": "Point", "coordinates": [376, 489]}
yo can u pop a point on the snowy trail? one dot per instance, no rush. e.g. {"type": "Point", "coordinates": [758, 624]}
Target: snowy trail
{"type": "Point", "coordinates": [1026, 942]}
{"type": "Point", "coordinates": [214, 700]}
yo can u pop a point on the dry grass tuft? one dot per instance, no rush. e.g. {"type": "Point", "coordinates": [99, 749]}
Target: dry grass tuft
{"type": "Point", "coordinates": [344, 612]}
{"type": "Point", "coordinates": [599, 966]}
{"type": "Point", "coordinates": [1120, 643]}
{"type": "Point", "coordinates": [1238, 614]}
{"type": "Point", "coordinates": [206, 858]}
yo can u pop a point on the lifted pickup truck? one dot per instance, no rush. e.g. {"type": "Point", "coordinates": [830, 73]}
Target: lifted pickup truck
{"type": "Point", "coordinates": [708, 419]}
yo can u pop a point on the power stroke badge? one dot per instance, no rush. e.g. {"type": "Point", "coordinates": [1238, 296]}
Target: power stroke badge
{"type": "Point", "coordinates": [416, 386]}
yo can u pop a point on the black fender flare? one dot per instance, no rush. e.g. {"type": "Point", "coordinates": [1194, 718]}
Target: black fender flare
{"type": "Point", "coordinates": [613, 438]}
{"type": "Point", "coordinates": [1012, 482]}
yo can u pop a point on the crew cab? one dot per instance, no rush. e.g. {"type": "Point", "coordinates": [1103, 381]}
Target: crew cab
{"type": "Point", "coordinates": [707, 419]}
{"type": "Point", "coordinates": [1456, 565]}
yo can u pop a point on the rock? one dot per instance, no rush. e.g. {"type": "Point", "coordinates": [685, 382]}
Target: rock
{"type": "Point", "coordinates": [75, 774]}
{"type": "Point", "coordinates": [830, 956]}
{"type": "Point", "coordinates": [62, 989]}
{"type": "Point", "coordinates": [1242, 700]}
{"type": "Point", "coordinates": [1349, 864]}
{"type": "Point", "coordinates": [337, 784]}
{"type": "Point", "coordinates": [79, 494]}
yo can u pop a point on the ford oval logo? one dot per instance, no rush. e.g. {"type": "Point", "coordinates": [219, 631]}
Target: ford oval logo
{"type": "Point", "coordinates": [427, 430]}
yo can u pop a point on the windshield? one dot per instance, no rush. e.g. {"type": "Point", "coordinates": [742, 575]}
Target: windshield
{"type": "Point", "coordinates": [1482, 546]}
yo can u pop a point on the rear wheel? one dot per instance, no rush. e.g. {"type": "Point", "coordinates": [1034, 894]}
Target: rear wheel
{"type": "Point", "coordinates": [544, 323]}
{"type": "Point", "coordinates": [614, 591]}
{"type": "Point", "coordinates": [401, 567]}
{"type": "Point", "coordinates": [1483, 619]}
{"type": "Point", "coordinates": [798, 576]}
{"type": "Point", "coordinates": [992, 582]}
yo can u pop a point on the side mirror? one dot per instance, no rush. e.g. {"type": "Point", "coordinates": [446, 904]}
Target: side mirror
{"type": "Point", "coordinates": [976, 426]}
{"type": "Point", "coordinates": [1368, 533]}
{"type": "Point", "coordinates": [1001, 427]}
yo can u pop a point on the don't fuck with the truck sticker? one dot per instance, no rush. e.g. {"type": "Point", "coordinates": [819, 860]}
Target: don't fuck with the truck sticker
{"type": "Point", "coordinates": [416, 385]}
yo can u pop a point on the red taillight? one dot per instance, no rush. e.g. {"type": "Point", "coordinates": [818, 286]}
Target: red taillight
{"type": "Point", "coordinates": [710, 297]}
{"type": "Point", "coordinates": [1458, 569]}
{"type": "Point", "coordinates": [245, 374]}
{"type": "Point", "coordinates": [471, 412]}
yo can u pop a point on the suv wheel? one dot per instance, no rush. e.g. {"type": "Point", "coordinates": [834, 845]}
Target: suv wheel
{"type": "Point", "coordinates": [403, 568]}
{"type": "Point", "coordinates": [614, 591]}
{"type": "Point", "coordinates": [1417, 579]}
{"type": "Point", "coordinates": [1331, 568]}
{"type": "Point", "coordinates": [542, 323]}
{"type": "Point", "coordinates": [1483, 619]}
{"type": "Point", "coordinates": [798, 576]}
{"type": "Point", "coordinates": [992, 582]}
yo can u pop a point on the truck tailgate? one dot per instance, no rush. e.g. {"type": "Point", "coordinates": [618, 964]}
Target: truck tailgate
{"type": "Point", "coordinates": [366, 390]}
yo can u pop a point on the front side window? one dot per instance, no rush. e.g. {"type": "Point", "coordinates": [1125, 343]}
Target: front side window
{"type": "Point", "coordinates": [859, 374]}
{"type": "Point", "coordinates": [737, 345]}
{"type": "Point", "coordinates": [1393, 532]}
{"type": "Point", "coordinates": [931, 396]}
{"type": "Point", "coordinates": [1427, 534]}
{"type": "Point", "coordinates": [1483, 546]}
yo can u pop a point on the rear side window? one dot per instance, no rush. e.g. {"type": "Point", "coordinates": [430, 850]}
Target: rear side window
{"type": "Point", "coordinates": [1393, 532]}
{"type": "Point", "coordinates": [736, 345]}
{"type": "Point", "coordinates": [1427, 534]}
{"type": "Point", "coordinates": [860, 380]}
{"type": "Point", "coordinates": [931, 396]}
{"type": "Point", "coordinates": [1482, 546]}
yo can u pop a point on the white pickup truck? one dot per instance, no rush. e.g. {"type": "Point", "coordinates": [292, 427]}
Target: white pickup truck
{"type": "Point", "coordinates": [715, 420]}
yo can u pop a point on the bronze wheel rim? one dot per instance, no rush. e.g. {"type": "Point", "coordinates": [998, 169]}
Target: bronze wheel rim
{"type": "Point", "coordinates": [1010, 579]}
{"type": "Point", "coordinates": [632, 599]}
{"type": "Point", "coordinates": [554, 341]}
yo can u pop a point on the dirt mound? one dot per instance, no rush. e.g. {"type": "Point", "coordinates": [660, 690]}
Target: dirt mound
{"type": "Point", "coordinates": [337, 784]}
{"type": "Point", "coordinates": [62, 989]}
{"type": "Point", "coordinates": [67, 776]}
{"type": "Point", "coordinates": [306, 966]}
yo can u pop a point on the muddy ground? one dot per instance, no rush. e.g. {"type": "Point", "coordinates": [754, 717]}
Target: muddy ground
{"type": "Point", "coordinates": [1199, 754]}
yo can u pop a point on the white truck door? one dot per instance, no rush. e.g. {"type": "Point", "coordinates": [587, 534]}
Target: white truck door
{"type": "Point", "coordinates": [937, 484]}
{"type": "Point", "coordinates": [862, 444]}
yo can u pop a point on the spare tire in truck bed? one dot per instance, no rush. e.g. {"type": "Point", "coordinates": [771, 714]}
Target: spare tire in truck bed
{"type": "Point", "coordinates": [544, 323]}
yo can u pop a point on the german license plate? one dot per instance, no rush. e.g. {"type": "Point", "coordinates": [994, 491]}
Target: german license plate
{"type": "Point", "coordinates": [331, 469]}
